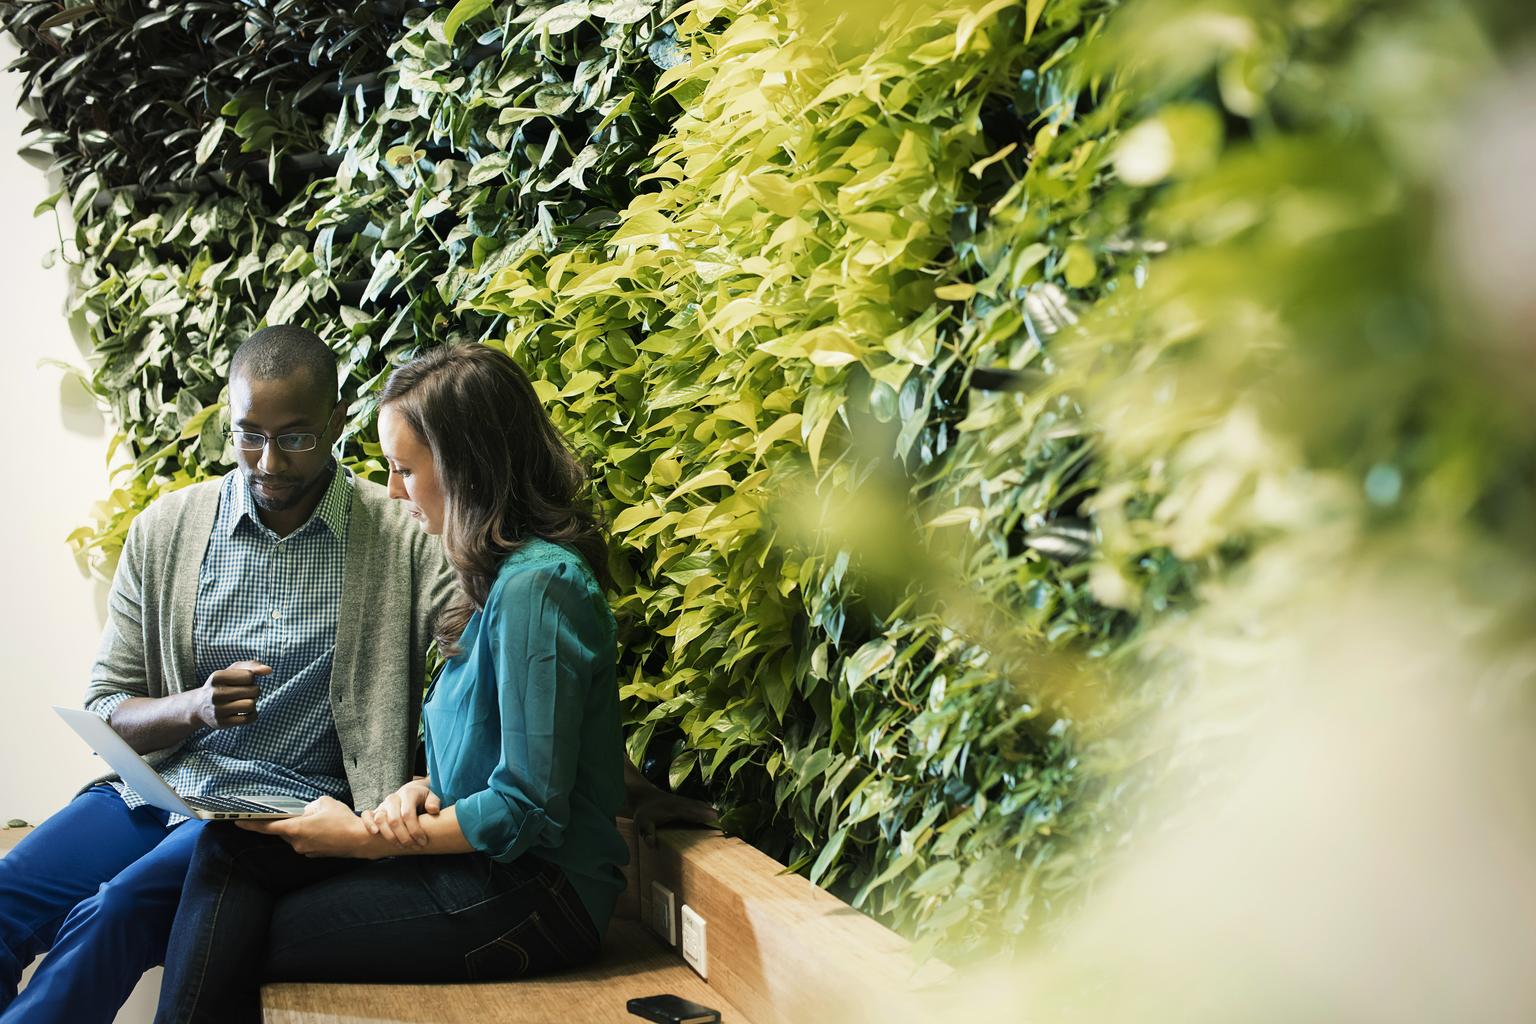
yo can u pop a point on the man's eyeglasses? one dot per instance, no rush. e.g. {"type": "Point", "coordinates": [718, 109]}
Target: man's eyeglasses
{"type": "Point", "coordinates": [252, 441]}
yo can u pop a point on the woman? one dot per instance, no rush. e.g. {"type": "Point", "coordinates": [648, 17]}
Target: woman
{"type": "Point", "coordinates": [520, 858]}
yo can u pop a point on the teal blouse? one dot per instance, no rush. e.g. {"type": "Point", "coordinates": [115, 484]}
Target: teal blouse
{"type": "Point", "coordinates": [522, 727]}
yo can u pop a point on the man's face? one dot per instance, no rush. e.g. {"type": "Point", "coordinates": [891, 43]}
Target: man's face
{"type": "Point", "coordinates": [281, 480]}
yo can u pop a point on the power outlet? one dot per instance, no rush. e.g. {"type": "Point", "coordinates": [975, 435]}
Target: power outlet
{"type": "Point", "coordinates": [695, 946]}
{"type": "Point", "coordinates": [663, 919]}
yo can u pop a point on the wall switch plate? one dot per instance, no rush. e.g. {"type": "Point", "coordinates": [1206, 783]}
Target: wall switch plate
{"type": "Point", "coordinates": [663, 916]}
{"type": "Point", "coordinates": [695, 946]}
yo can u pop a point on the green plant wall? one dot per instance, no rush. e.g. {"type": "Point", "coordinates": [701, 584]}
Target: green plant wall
{"type": "Point", "coordinates": [935, 361]}
{"type": "Point", "coordinates": [851, 622]}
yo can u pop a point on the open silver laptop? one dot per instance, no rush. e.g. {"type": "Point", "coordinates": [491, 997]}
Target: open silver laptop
{"type": "Point", "coordinates": [136, 772]}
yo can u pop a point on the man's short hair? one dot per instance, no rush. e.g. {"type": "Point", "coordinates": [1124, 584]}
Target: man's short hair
{"type": "Point", "coordinates": [283, 351]}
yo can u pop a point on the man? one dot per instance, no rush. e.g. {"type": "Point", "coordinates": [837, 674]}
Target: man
{"type": "Point", "coordinates": [267, 632]}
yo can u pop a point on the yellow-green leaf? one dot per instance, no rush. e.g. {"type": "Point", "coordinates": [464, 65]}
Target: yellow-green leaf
{"type": "Point", "coordinates": [954, 292]}
{"type": "Point", "coordinates": [1032, 11]}
{"type": "Point", "coordinates": [965, 514]}
{"type": "Point", "coordinates": [710, 478]}
{"type": "Point", "coordinates": [463, 11]}
{"type": "Point", "coordinates": [1079, 267]}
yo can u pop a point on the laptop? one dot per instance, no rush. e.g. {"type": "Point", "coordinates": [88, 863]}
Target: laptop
{"type": "Point", "coordinates": [147, 782]}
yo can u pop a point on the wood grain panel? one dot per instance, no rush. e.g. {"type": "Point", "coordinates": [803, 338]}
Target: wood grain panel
{"type": "Point", "coordinates": [9, 837]}
{"type": "Point", "coordinates": [781, 949]}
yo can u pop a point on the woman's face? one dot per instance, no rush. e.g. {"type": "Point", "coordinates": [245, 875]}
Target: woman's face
{"type": "Point", "coordinates": [412, 473]}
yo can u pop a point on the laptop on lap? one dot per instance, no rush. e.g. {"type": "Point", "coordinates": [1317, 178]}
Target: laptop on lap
{"type": "Point", "coordinates": [147, 782]}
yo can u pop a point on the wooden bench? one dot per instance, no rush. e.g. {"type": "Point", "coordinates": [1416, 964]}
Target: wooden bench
{"type": "Point", "coordinates": [778, 951]}
{"type": "Point", "coordinates": [634, 962]}
{"type": "Point", "coordinates": [9, 837]}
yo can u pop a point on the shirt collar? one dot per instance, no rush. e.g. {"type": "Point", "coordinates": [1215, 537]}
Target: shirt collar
{"type": "Point", "coordinates": [334, 505]}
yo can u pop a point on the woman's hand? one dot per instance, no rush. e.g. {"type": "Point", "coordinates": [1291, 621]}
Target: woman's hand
{"type": "Point", "coordinates": [327, 828]}
{"type": "Point", "coordinates": [396, 819]}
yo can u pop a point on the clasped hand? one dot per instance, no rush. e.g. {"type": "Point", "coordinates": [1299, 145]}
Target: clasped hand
{"type": "Point", "coordinates": [328, 828]}
{"type": "Point", "coordinates": [398, 817]}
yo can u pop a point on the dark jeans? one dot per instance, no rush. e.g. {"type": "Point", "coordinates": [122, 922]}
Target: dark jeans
{"type": "Point", "coordinates": [253, 911]}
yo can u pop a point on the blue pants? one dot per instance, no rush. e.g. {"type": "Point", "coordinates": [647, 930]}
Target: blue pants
{"type": "Point", "coordinates": [96, 887]}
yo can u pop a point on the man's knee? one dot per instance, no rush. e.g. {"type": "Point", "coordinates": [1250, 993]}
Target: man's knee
{"type": "Point", "coordinates": [121, 908]}
{"type": "Point", "coordinates": [11, 966]}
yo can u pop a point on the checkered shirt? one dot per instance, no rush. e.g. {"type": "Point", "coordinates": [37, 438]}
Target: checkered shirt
{"type": "Point", "coordinates": [261, 597]}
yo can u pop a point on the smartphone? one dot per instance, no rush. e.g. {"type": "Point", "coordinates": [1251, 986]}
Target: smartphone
{"type": "Point", "coordinates": [670, 1009]}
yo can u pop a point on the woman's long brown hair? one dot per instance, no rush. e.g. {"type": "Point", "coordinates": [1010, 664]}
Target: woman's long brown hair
{"type": "Point", "coordinates": [507, 474]}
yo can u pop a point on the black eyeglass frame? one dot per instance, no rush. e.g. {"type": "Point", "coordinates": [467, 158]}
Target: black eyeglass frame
{"type": "Point", "coordinates": [294, 443]}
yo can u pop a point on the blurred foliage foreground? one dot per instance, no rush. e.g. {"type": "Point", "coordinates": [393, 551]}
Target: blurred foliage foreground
{"type": "Point", "coordinates": [973, 389]}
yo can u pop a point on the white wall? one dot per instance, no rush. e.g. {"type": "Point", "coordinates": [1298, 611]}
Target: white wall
{"type": "Point", "coordinates": [54, 443]}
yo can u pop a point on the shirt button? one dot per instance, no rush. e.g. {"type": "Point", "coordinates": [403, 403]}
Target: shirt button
{"type": "Point", "coordinates": [277, 615]}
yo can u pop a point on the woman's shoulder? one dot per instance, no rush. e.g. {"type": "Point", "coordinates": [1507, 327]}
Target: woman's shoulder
{"type": "Point", "coordinates": [541, 577]}
{"type": "Point", "coordinates": [538, 561]}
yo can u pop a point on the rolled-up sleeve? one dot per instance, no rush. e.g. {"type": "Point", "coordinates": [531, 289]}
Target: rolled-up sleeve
{"type": "Point", "coordinates": [104, 706]}
{"type": "Point", "coordinates": [542, 631]}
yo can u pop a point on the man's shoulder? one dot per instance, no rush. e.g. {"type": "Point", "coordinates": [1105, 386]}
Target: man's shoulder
{"type": "Point", "coordinates": [385, 518]}
{"type": "Point", "coordinates": [373, 502]}
{"type": "Point", "coordinates": [174, 506]}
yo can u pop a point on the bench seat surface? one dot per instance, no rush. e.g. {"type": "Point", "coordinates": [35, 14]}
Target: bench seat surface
{"type": "Point", "coordinates": [633, 963]}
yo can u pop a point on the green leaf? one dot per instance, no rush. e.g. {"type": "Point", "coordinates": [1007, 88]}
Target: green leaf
{"type": "Point", "coordinates": [829, 854]}
{"type": "Point", "coordinates": [581, 383]}
{"type": "Point", "coordinates": [491, 167]}
{"type": "Point", "coordinates": [403, 156]}
{"type": "Point", "coordinates": [1032, 12]}
{"type": "Point", "coordinates": [194, 425]}
{"type": "Point", "coordinates": [936, 880]}
{"type": "Point", "coordinates": [287, 302]}
{"type": "Point", "coordinates": [633, 516]}
{"type": "Point", "coordinates": [461, 12]}
{"type": "Point", "coordinates": [555, 99]}
{"type": "Point", "coordinates": [168, 304]}
{"type": "Point", "coordinates": [49, 203]}
{"type": "Point", "coordinates": [386, 266]}
{"type": "Point", "coordinates": [563, 18]}
{"type": "Point", "coordinates": [966, 515]}
{"type": "Point", "coordinates": [210, 140]}
{"type": "Point", "coordinates": [623, 12]}
{"type": "Point", "coordinates": [709, 478]}
{"type": "Point", "coordinates": [868, 661]}
{"type": "Point", "coordinates": [682, 767]}
{"type": "Point", "coordinates": [1079, 266]}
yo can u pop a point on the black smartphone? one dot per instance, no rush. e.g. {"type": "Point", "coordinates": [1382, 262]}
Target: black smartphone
{"type": "Point", "coordinates": [670, 1009]}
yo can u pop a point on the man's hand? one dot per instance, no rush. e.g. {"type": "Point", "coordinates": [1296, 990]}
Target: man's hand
{"type": "Point", "coordinates": [327, 828]}
{"type": "Point", "coordinates": [662, 808]}
{"type": "Point", "coordinates": [229, 696]}
{"type": "Point", "coordinates": [156, 723]}
{"type": "Point", "coordinates": [397, 817]}
{"type": "Point", "coordinates": [649, 806]}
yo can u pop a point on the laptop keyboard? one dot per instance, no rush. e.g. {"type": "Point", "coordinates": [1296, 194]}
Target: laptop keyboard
{"type": "Point", "coordinates": [230, 803]}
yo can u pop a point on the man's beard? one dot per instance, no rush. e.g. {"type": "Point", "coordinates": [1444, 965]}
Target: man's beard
{"type": "Point", "coordinates": [300, 493]}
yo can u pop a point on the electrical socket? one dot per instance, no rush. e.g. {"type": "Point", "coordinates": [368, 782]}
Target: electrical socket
{"type": "Point", "coordinates": [695, 946]}
{"type": "Point", "coordinates": [663, 919]}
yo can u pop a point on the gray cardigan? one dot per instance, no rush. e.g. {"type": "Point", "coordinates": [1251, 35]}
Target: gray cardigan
{"type": "Point", "coordinates": [395, 582]}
